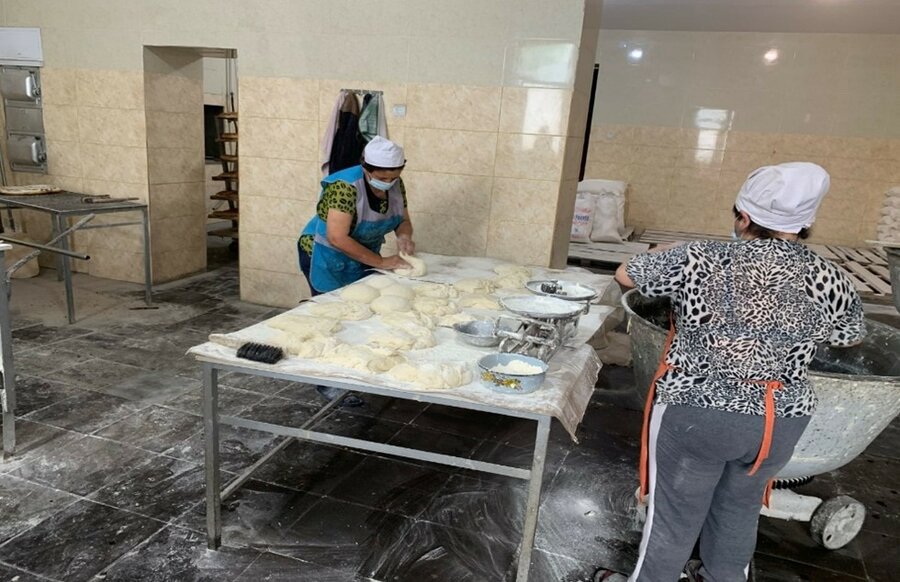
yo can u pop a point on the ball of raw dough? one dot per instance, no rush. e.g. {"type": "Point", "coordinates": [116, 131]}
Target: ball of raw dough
{"type": "Point", "coordinates": [474, 286]}
{"type": "Point", "coordinates": [417, 266]}
{"type": "Point", "coordinates": [361, 293]}
{"type": "Point", "coordinates": [398, 290]}
{"type": "Point", "coordinates": [389, 304]}
{"type": "Point", "coordinates": [438, 290]}
{"type": "Point", "coordinates": [345, 310]}
{"type": "Point", "coordinates": [379, 282]}
{"type": "Point", "coordinates": [479, 301]}
{"type": "Point", "coordinates": [434, 306]}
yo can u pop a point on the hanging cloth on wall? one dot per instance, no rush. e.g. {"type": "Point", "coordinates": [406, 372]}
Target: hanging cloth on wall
{"type": "Point", "coordinates": [347, 148]}
{"type": "Point", "coordinates": [371, 120]}
{"type": "Point", "coordinates": [331, 129]}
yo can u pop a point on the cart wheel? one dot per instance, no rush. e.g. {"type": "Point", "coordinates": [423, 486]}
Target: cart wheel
{"type": "Point", "coordinates": [837, 521]}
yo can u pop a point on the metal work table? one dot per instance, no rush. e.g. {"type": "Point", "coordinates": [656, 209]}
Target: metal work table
{"type": "Point", "coordinates": [62, 205]}
{"type": "Point", "coordinates": [211, 422]}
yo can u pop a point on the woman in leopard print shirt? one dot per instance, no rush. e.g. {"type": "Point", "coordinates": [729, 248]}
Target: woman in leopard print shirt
{"type": "Point", "coordinates": [747, 318]}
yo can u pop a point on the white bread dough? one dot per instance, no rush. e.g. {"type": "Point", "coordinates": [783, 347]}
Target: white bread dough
{"type": "Point", "coordinates": [478, 301]}
{"type": "Point", "coordinates": [474, 286]}
{"type": "Point", "coordinates": [512, 276]}
{"type": "Point", "coordinates": [417, 266]}
{"type": "Point", "coordinates": [438, 290]}
{"type": "Point", "coordinates": [362, 358]}
{"type": "Point", "coordinates": [454, 318]}
{"type": "Point", "coordinates": [346, 310]}
{"type": "Point", "coordinates": [404, 318]}
{"type": "Point", "coordinates": [434, 306]}
{"type": "Point", "coordinates": [379, 282]}
{"type": "Point", "coordinates": [398, 290]}
{"type": "Point", "coordinates": [432, 376]}
{"type": "Point", "coordinates": [301, 327]}
{"type": "Point", "coordinates": [389, 304]}
{"type": "Point", "coordinates": [311, 347]}
{"type": "Point", "coordinates": [360, 293]}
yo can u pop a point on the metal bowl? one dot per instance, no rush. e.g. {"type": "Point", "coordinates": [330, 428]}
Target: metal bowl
{"type": "Point", "coordinates": [511, 383]}
{"type": "Point", "coordinates": [481, 332]}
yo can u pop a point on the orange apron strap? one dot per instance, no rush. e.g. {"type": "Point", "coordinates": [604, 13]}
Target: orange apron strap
{"type": "Point", "coordinates": [644, 463]}
{"type": "Point", "coordinates": [766, 444]}
{"type": "Point", "coordinates": [767, 494]}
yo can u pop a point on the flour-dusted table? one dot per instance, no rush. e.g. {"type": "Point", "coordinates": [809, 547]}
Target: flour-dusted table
{"type": "Point", "coordinates": [565, 395]}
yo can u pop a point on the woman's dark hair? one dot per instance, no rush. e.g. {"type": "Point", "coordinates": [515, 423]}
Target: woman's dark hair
{"type": "Point", "coordinates": [758, 231]}
{"type": "Point", "coordinates": [371, 168]}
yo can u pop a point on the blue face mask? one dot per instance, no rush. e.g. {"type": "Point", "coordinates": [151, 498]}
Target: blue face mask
{"type": "Point", "coordinates": [381, 184]}
{"type": "Point", "coordinates": [734, 235]}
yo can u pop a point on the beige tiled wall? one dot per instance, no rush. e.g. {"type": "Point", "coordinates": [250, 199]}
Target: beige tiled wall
{"type": "Point", "coordinates": [173, 87]}
{"type": "Point", "coordinates": [688, 120]}
{"type": "Point", "coordinates": [489, 89]}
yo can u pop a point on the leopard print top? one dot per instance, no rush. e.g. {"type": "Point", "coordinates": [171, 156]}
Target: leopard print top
{"type": "Point", "coordinates": [747, 312]}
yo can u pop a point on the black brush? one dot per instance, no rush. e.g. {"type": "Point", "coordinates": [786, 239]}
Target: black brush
{"type": "Point", "coordinates": [262, 353]}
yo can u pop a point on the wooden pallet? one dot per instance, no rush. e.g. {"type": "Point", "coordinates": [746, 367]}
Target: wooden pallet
{"type": "Point", "coordinates": [866, 268]}
{"type": "Point", "coordinates": [661, 237]}
{"type": "Point", "coordinates": [615, 253]}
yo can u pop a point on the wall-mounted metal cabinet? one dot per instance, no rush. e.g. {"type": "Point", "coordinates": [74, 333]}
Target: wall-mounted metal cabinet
{"type": "Point", "coordinates": [20, 87]}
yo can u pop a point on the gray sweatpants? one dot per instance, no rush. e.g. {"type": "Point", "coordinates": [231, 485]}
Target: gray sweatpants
{"type": "Point", "coordinates": [699, 460]}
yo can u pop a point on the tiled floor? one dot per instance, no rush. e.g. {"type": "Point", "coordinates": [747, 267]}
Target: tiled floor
{"type": "Point", "coordinates": [108, 480]}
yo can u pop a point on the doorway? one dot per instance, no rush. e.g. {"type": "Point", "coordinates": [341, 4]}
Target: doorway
{"type": "Point", "coordinates": [191, 93]}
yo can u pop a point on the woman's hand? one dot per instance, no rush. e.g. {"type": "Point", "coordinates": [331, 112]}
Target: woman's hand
{"type": "Point", "coordinates": [393, 262]}
{"type": "Point", "coordinates": [406, 244]}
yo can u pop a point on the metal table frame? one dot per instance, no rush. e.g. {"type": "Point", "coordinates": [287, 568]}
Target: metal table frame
{"type": "Point", "coordinates": [7, 371]}
{"type": "Point", "coordinates": [58, 218]}
{"type": "Point", "coordinates": [211, 422]}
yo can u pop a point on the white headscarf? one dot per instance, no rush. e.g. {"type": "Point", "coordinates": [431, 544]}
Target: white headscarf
{"type": "Point", "coordinates": [383, 153]}
{"type": "Point", "coordinates": [784, 198]}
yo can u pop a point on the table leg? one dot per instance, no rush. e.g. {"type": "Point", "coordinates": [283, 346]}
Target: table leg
{"type": "Point", "coordinates": [67, 273]}
{"type": "Point", "coordinates": [8, 373]}
{"type": "Point", "coordinates": [148, 274]}
{"type": "Point", "coordinates": [211, 431]}
{"type": "Point", "coordinates": [534, 498]}
{"type": "Point", "coordinates": [55, 229]}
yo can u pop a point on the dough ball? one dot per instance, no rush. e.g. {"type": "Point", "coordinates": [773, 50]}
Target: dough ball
{"type": "Point", "coordinates": [404, 318]}
{"type": "Point", "coordinates": [510, 269]}
{"type": "Point", "coordinates": [389, 304]}
{"type": "Point", "coordinates": [360, 293]}
{"type": "Point", "coordinates": [356, 357]}
{"type": "Point", "coordinates": [474, 286]}
{"type": "Point", "coordinates": [300, 327]}
{"type": "Point", "coordinates": [417, 266]}
{"type": "Point", "coordinates": [346, 310]}
{"type": "Point", "coordinates": [438, 290]}
{"type": "Point", "coordinates": [432, 376]}
{"type": "Point", "coordinates": [479, 301]}
{"type": "Point", "coordinates": [512, 276]}
{"type": "Point", "coordinates": [382, 364]}
{"type": "Point", "coordinates": [379, 282]}
{"type": "Point", "coordinates": [434, 306]}
{"type": "Point", "coordinates": [311, 348]}
{"type": "Point", "coordinates": [394, 339]}
{"type": "Point", "coordinates": [397, 290]}
{"type": "Point", "coordinates": [454, 318]}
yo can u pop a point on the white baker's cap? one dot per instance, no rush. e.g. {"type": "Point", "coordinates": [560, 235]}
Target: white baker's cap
{"type": "Point", "coordinates": [384, 153]}
{"type": "Point", "coordinates": [785, 197]}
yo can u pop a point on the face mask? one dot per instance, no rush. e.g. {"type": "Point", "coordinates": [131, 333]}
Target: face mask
{"type": "Point", "coordinates": [735, 235]}
{"type": "Point", "coordinates": [381, 184]}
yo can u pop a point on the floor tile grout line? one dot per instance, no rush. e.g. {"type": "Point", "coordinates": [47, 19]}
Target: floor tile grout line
{"type": "Point", "coordinates": [29, 572]}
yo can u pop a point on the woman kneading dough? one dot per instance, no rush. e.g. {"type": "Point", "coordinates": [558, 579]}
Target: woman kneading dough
{"type": "Point", "coordinates": [358, 206]}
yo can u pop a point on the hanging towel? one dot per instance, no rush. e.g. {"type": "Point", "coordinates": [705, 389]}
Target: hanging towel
{"type": "Point", "coordinates": [368, 119]}
{"type": "Point", "coordinates": [382, 121]}
{"type": "Point", "coordinates": [331, 129]}
{"type": "Point", "coordinates": [346, 151]}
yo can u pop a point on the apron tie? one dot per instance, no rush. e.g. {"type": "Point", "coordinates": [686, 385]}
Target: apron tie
{"type": "Point", "coordinates": [664, 366]}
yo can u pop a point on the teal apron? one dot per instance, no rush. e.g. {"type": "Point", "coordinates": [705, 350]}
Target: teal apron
{"type": "Point", "coordinates": [330, 268]}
